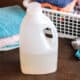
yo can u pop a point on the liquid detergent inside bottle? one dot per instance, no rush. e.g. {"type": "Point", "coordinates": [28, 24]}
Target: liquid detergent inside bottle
{"type": "Point", "coordinates": [38, 42]}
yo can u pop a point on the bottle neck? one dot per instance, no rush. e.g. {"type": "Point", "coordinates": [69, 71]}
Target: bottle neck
{"type": "Point", "coordinates": [34, 12]}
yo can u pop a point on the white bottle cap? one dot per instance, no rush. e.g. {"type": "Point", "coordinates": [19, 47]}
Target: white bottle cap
{"type": "Point", "coordinates": [34, 6]}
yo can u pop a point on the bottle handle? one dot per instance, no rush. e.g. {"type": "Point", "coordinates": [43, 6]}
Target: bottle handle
{"type": "Point", "coordinates": [50, 33]}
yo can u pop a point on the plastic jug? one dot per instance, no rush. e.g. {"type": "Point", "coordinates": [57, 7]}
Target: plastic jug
{"type": "Point", "coordinates": [38, 42]}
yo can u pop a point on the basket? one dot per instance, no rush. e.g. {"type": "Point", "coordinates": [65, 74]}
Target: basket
{"type": "Point", "coordinates": [67, 24]}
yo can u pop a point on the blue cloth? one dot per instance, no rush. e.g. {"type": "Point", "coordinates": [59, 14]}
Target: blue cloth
{"type": "Point", "coordinates": [59, 3]}
{"type": "Point", "coordinates": [10, 20]}
{"type": "Point", "coordinates": [77, 54]}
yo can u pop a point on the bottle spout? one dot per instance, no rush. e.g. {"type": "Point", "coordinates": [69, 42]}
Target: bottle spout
{"type": "Point", "coordinates": [26, 3]}
{"type": "Point", "coordinates": [34, 7]}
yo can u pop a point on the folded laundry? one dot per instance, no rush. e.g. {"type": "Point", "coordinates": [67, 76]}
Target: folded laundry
{"type": "Point", "coordinates": [68, 8]}
{"type": "Point", "coordinates": [9, 41]}
{"type": "Point", "coordinates": [10, 20]}
{"type": "Point", "coordinates": [10, 47]}
{"type": "Point", "coordinates": [59, 3]}
{"type": "Point", "coordinates": [77, 8]}
{"type": "Point", "coordinates": [48, 5]}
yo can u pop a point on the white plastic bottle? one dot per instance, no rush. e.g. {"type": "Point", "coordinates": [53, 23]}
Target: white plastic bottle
{"type": "Point", "coordinates": [38, 42]}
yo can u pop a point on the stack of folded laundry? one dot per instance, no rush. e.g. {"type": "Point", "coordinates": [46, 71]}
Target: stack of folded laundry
{"type": "Point", "coordinates": [77, 8]}
{"type": "Point", "coordinates": [10, 20]}
{"type": "Point", "coordinates": [60, 5]}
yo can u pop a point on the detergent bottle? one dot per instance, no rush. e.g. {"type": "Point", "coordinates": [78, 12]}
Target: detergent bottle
{"type": "Point", "coordinates": [38, 42]}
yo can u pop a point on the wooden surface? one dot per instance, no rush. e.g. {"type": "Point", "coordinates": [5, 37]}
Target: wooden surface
{"type": "Point", "coordinates": [7, 2]}
{"type": "Point", "coordinates": [68, 66]}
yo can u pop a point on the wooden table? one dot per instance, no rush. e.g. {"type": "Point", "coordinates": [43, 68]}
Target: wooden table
{"type": "Point", "coordinates": [68, 65]}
